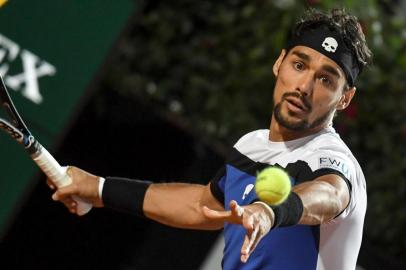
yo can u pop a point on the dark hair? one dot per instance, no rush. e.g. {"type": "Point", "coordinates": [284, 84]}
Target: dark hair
{"type": "Point", "coordinates": [347, 25]}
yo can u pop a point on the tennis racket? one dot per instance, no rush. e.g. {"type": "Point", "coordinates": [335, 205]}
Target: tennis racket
{"type": "Point", "coordinates": [47, 163]}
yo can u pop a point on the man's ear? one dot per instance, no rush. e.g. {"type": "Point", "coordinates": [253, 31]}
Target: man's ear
{"type": "Point", "coordinates": [278, 63]}
{"type": "Point", "coordinates": [346, 98]}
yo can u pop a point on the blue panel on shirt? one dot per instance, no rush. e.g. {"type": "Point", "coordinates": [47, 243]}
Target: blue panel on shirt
{"type": "Point", "coordinates": [300, 240]}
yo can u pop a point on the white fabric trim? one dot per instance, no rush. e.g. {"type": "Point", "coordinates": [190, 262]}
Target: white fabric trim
{"type": "Point", "coordinates": [101, 185]}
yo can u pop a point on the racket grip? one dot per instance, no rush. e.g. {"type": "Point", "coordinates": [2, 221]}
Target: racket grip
{"type": "Point", "coordinates": [58, 176]}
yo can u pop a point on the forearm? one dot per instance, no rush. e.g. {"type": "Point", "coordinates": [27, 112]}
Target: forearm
{"type": "Point", "coordinates": [179, 205]}
{"type": "Point", "coordinates": [322, 200]}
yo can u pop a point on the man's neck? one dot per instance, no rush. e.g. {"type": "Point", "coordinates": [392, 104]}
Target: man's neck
{"type": "Point", "coordinates": [278, 133]}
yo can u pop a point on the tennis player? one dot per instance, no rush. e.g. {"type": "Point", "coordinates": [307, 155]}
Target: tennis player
{"type": "Point", "coordinates": [320, 225]}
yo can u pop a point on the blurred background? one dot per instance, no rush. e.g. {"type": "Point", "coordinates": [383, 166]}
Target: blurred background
{"type": "Point", "coordinates": [160, 90]}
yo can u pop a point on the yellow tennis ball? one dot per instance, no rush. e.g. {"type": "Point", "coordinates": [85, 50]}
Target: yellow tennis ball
{"type": "Point", "coordinates": [2, 2]}
{"type": "Point", "coordinates": [272, 185]}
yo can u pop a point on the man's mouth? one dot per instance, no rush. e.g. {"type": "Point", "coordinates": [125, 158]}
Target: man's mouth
{"type": "Point", "coordinates": [296, 104]}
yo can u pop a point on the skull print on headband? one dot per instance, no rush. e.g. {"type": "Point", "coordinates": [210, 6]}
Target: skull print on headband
{"type": "Point", "coordinates": [329, 42]}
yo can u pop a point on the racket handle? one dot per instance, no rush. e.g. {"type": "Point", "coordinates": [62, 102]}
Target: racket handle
{"type": "Point", "coordinates": [58, 176]}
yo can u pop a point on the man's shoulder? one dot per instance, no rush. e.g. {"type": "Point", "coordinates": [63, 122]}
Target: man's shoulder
{"type": "Point", "coordinates": [328, 150]}
{"type": "Point", "coordinates": [328, 141]}
{"type": "Point", "coordinates": [259, 135]}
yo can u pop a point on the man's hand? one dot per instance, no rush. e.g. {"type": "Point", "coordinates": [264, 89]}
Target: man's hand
{"type": "Point", "coordinates": [84, 185]}
{"type": "Point", "coordinates": [255, 218]}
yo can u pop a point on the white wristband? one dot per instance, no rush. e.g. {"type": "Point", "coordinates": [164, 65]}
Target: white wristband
{"type": "Point", "coordinates": [101, 184]}
{"type": "Point", "coordinates": [268, 208]}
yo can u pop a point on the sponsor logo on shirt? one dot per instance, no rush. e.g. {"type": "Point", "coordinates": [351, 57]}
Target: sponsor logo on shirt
{"type": "Point", "coordinates": [247, 190]}
{"type": "Point", "coordinates": [335, 164]}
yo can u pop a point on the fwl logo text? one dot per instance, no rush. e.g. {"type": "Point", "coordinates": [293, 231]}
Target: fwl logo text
{"type": "Point", "coordinates": [334, 163]}
{"type": "Point", "coordinates": [33, 68]}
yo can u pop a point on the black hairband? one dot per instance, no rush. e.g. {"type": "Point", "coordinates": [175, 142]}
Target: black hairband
{"type": "Point", "coordinates": [330, 43]}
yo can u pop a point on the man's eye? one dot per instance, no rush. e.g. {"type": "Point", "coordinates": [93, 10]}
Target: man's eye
{"type": "Point", "coordinates": [298, 65]}
{"type": "Point", "coordinates": [325, 80]}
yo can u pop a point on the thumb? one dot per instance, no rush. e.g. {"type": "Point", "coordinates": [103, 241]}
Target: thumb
{"type": "Point", "coordinates": [216, 215]}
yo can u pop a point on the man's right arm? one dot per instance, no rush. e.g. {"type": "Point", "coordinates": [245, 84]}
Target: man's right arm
{"type": "Point", "coordinates": [174, 204]}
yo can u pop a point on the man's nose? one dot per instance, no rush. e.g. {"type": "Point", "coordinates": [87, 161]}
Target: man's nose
{"type": "Point", "coordinates": [305, 84]}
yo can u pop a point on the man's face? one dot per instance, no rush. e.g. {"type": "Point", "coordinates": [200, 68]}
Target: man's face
{"type": "Point", "coordinates": [309, 89]}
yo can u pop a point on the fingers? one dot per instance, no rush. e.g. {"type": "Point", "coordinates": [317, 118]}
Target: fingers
{"type": "Point", "coordinates": [257, 224]}
{"type": "Point", "coordinates": [64, 192]}
{"type": "Point", "coordinates": [254, 220]}
{"type": "Point", "coordinates": [66, 199]}
{"type": "Point", "coordinates": [250, 243]}
{"type": "Point", "coordinates": [50, 184]}
{"type": "Point", "coordinates": [237, 210]}
{"type": "Point", "coordinates": [71, 205]}
{"type": "Point", "coordinates": [235, 215]}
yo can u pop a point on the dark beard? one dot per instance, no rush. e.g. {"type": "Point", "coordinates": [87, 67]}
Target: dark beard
{"type": "Point", "coordinates": [301, 125]}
